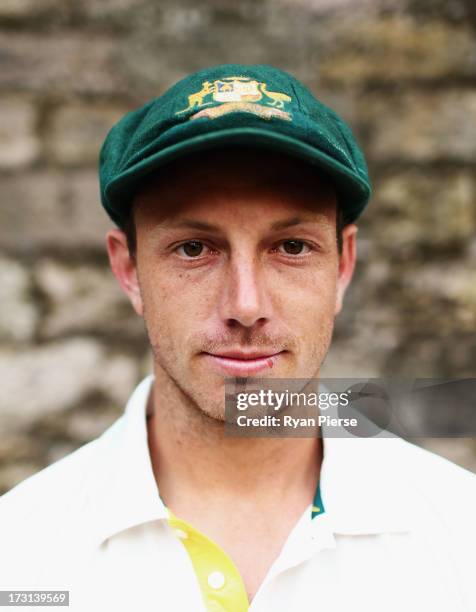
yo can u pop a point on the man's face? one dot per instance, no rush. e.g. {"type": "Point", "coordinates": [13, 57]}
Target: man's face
{"type": "Point", "coordinates": [236, 255]}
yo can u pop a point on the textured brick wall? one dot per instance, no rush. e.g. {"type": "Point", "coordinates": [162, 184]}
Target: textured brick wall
{"type": "Point", "coordinates": [401, 73]}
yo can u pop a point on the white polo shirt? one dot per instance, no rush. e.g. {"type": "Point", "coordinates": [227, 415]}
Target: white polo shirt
{"type": "Point", "coordinates": [398, 532]}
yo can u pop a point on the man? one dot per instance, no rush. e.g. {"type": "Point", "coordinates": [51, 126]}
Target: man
{"type": "Point", "coordinates": [235, 196]}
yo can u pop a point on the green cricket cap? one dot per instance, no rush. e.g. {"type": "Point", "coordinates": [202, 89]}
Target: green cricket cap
{"type": "Point", "coordinates": [231, 104]}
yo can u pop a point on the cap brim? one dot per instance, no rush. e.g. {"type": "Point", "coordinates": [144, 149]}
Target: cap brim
{"type": "Point", "coordinates": [353, 192]}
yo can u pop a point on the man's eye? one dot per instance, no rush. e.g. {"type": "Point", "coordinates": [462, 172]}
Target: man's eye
{"type": "Point", "coordinates": [192, 248]}
{"type": "Point", "coordinates": [294, 247]}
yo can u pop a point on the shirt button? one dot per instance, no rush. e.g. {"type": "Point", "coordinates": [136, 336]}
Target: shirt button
{"type": "Point", "coordinates": [181, 534]}
{"type": "Point", "coordinates": [216, 580]}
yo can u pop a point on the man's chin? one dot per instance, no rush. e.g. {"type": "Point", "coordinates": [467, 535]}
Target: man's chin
{"type": "Point", "coordinates": [216, 414]}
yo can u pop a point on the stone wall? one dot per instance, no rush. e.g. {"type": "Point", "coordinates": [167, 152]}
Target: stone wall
{"type": "Point", "coordinates": [402, 75]}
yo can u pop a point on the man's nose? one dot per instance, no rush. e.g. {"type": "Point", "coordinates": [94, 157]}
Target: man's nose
{"type": "Point", "coordinates": [245, 298]}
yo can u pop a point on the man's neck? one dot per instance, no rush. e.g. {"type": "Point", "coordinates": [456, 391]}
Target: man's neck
{"type": "Point", "coordinates": [195, 463]}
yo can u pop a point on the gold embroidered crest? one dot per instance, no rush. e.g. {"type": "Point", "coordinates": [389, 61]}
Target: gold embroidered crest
{"type": "Point", "coordinates": [235, 94]}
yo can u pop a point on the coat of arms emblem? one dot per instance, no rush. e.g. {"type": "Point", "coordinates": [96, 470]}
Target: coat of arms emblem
{"type": "Point", "coordinates": [236, 93]}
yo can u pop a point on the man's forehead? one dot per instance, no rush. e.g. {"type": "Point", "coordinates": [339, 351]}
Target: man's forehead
{"type": "Point", "coordinates": [243, 178]}
{"type": "Point", "coordinates": [180, 222]}
{"type": "Point", "coordinates": [218, 211]}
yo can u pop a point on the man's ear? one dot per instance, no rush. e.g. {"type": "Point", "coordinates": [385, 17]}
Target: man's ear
{"type": "Point", "coordinates": [124, 267]}
{"type": "Point", "coordinates": [346, 263]}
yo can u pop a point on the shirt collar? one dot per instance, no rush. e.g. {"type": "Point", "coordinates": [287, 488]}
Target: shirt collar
{"type": "Point", "coordinates": [362, 490]}
{"type": "Point", "coordinates": [126, 492]}
{"type": "Point", "coordinates": [363, 486]}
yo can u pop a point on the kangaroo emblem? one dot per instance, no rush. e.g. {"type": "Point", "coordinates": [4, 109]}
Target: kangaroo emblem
{"type": "Point", "coordinates": [196, 100]}
{"type": "Point", "coordinates": [236, 94]}
{"type": "Point", "coordinates": [278, 98]}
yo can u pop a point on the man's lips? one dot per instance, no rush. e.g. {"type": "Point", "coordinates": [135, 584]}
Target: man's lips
{"type": "Point", "coordinates": [238, 363]}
